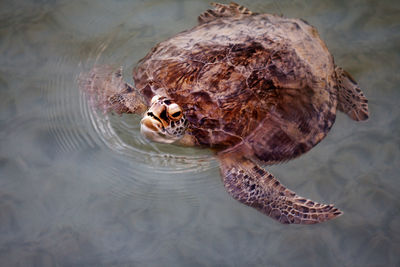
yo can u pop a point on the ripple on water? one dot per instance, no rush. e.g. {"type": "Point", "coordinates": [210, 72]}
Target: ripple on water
{"type": "Point", "coordinates": [138, 167]}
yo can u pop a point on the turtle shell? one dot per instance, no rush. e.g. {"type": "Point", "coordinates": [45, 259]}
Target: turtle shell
{"type": "Point", "coordinates": [261, 84]}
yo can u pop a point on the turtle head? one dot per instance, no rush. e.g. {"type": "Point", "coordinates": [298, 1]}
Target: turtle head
{"type": "Point", "coordinates": [164, 121]}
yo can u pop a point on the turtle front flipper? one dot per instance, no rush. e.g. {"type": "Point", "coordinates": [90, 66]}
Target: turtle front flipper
{"type": "Point", "coordinates": [108, 91]}
{"type": "Point", "coordinates": [253, 186]}
{"type": "Point", "coordinates": [222, 10]}
{"type": "Point", "coordinates": [351, 99]}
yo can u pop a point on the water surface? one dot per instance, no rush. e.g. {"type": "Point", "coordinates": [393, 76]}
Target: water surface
{"type": "Point", "coordinates": [82, 188]}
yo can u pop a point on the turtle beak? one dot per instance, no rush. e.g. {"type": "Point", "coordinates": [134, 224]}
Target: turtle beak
{"type": "Point", "coordinates": [152, 129]}
{"type": "Point", "coordinates": [151, 124]}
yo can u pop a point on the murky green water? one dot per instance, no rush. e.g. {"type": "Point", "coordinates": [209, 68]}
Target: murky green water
{"type": "Point", "coordinates": [80, 188]}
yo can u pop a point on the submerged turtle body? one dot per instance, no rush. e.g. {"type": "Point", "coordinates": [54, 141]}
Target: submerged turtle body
{"type": "Point", "coordinates": [257, 88]}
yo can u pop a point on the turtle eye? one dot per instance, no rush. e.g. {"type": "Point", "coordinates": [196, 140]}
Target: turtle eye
{"type": "Point", "coordinates": [176, 114]}
{"type": "Point", "coordinates": [175, 111]}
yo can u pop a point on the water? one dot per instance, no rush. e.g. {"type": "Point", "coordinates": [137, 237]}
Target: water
{"type": "Point", "coordinates": [81, 188]}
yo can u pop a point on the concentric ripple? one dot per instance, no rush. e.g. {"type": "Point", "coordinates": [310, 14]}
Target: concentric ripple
{"type": "Point", "coordinates": [127, 163]}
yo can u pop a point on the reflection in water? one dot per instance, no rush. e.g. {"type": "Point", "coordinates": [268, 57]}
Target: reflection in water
{"type": "Point", "coordinates": [82, 188]}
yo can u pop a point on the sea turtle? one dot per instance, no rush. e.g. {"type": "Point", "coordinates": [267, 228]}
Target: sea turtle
{"type": "Point", "coordinates": [256, 88]}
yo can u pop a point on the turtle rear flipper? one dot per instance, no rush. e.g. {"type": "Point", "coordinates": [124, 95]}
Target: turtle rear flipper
{"type": "Point", "coordinates": [253, 186]}
{"type": "Point", "coordinates": [351, 99]}
{"type": "Point", "coordinates": [222, 10]}
{"type": "Point", "coordinates": [108, 91]}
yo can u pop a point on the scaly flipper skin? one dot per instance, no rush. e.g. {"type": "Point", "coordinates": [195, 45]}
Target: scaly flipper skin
{"type": "Point", "coordinates": [109, 92]}
{"type": "Point", "coordinates": [253, 186]}
{"type": "Point", "coordinates": [222, 10]}
{"type": "Point", "coordinates": [351, 99]}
